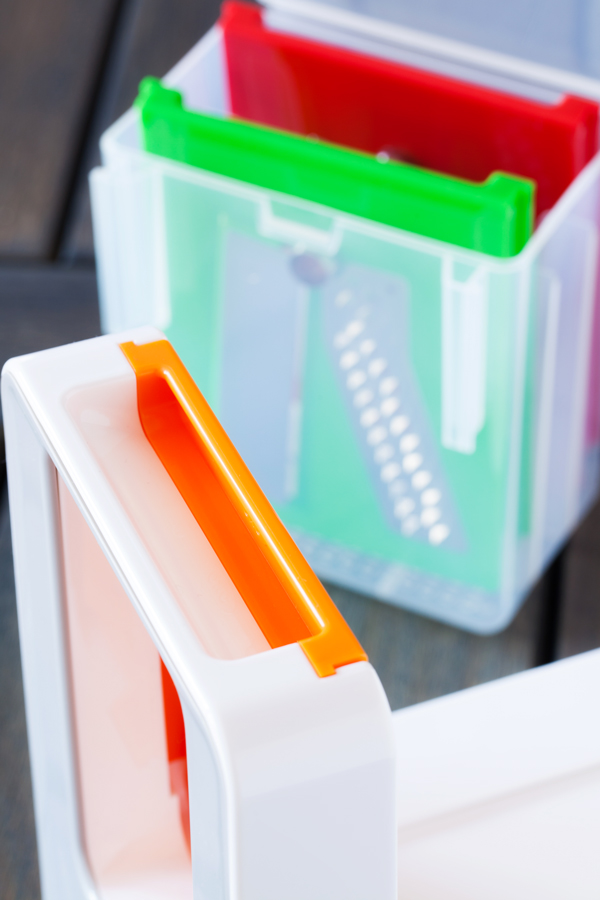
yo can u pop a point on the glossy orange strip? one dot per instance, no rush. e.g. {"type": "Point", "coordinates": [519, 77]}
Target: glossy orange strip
{"type": "Point", "coordinates": [280, 589]}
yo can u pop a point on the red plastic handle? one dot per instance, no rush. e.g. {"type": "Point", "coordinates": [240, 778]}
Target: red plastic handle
{"type": "Point", "coordinates": [421, 117]}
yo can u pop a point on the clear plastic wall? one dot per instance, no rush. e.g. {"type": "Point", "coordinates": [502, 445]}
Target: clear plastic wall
{"type": "Point", "coordinates": [424, 419]}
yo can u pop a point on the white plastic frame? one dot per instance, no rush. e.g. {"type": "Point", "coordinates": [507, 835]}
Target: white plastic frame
{"type": "Point", "coordinates": [264, 823]}
{"type": "Point", "coordinates": [497, 787]}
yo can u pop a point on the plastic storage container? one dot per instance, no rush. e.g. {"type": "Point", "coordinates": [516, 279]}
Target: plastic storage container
{"type": "Point", "coordinates": [302, 783]}
{"type": "Point", "coordinates": [425, 419]}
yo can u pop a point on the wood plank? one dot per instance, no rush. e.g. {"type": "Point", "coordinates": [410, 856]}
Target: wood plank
{"type": "Point", "coordinates": [49, 54]}
{"type": "Point", "coordinates": [155, 34]}
{"type": "Point", "coordinates": [580, 615]}
{"type": "Point", "coordinates": [18, 852]}
{"type": "Point", "coordinates": [418, 659]}
{"type": "Point", "coordinates": [45, 306]}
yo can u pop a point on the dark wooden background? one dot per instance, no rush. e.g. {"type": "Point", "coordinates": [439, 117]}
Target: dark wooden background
{"type": "Point", "coordinates": [67, 69]}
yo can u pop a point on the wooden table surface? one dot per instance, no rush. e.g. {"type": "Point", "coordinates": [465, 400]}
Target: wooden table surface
{"type": "Point", "coordinates": [67, 70]}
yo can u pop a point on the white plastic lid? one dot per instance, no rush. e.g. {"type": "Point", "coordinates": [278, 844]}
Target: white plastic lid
{"type": "Point", "coordinates": [563, 34]}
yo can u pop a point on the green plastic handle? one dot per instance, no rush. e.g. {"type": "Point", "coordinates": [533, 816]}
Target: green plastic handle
{"type": "Point", "coordinates": [494, 217]}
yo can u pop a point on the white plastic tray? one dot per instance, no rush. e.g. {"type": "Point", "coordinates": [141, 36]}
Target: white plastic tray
{"type": "Point", "coordinates": [299, 785]}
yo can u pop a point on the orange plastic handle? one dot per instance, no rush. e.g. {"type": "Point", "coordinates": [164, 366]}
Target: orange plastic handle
{"type": "Point", "coordinates": [286, 598]}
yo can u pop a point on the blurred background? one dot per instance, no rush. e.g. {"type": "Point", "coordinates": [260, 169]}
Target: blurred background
{"type": "Point", "coordinates": [67, 70]}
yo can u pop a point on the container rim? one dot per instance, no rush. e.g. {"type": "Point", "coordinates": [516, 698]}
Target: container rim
{"type": "Point", "coordinates": [231, 186]}
{"type": "Point", "coordinates": [388, 32]}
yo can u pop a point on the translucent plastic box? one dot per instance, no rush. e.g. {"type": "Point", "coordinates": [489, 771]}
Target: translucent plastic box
{"type": "Point", "coordinates": [425, 419]}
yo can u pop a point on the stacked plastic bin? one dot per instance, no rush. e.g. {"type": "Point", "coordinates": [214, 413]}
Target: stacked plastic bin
{"type": "Point", "coordinates": [419, 402]}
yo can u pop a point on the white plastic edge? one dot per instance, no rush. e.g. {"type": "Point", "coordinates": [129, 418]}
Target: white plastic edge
{"type": "Point", "coordinates": [450, 49]}
{"type": "Point", "coordinates": [469, 748]}
{"type": "Point", "coordinates": [336, 731]}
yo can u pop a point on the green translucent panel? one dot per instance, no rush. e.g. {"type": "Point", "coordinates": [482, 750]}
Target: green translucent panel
{"type": "Point", "coordinates": [336, 498]}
